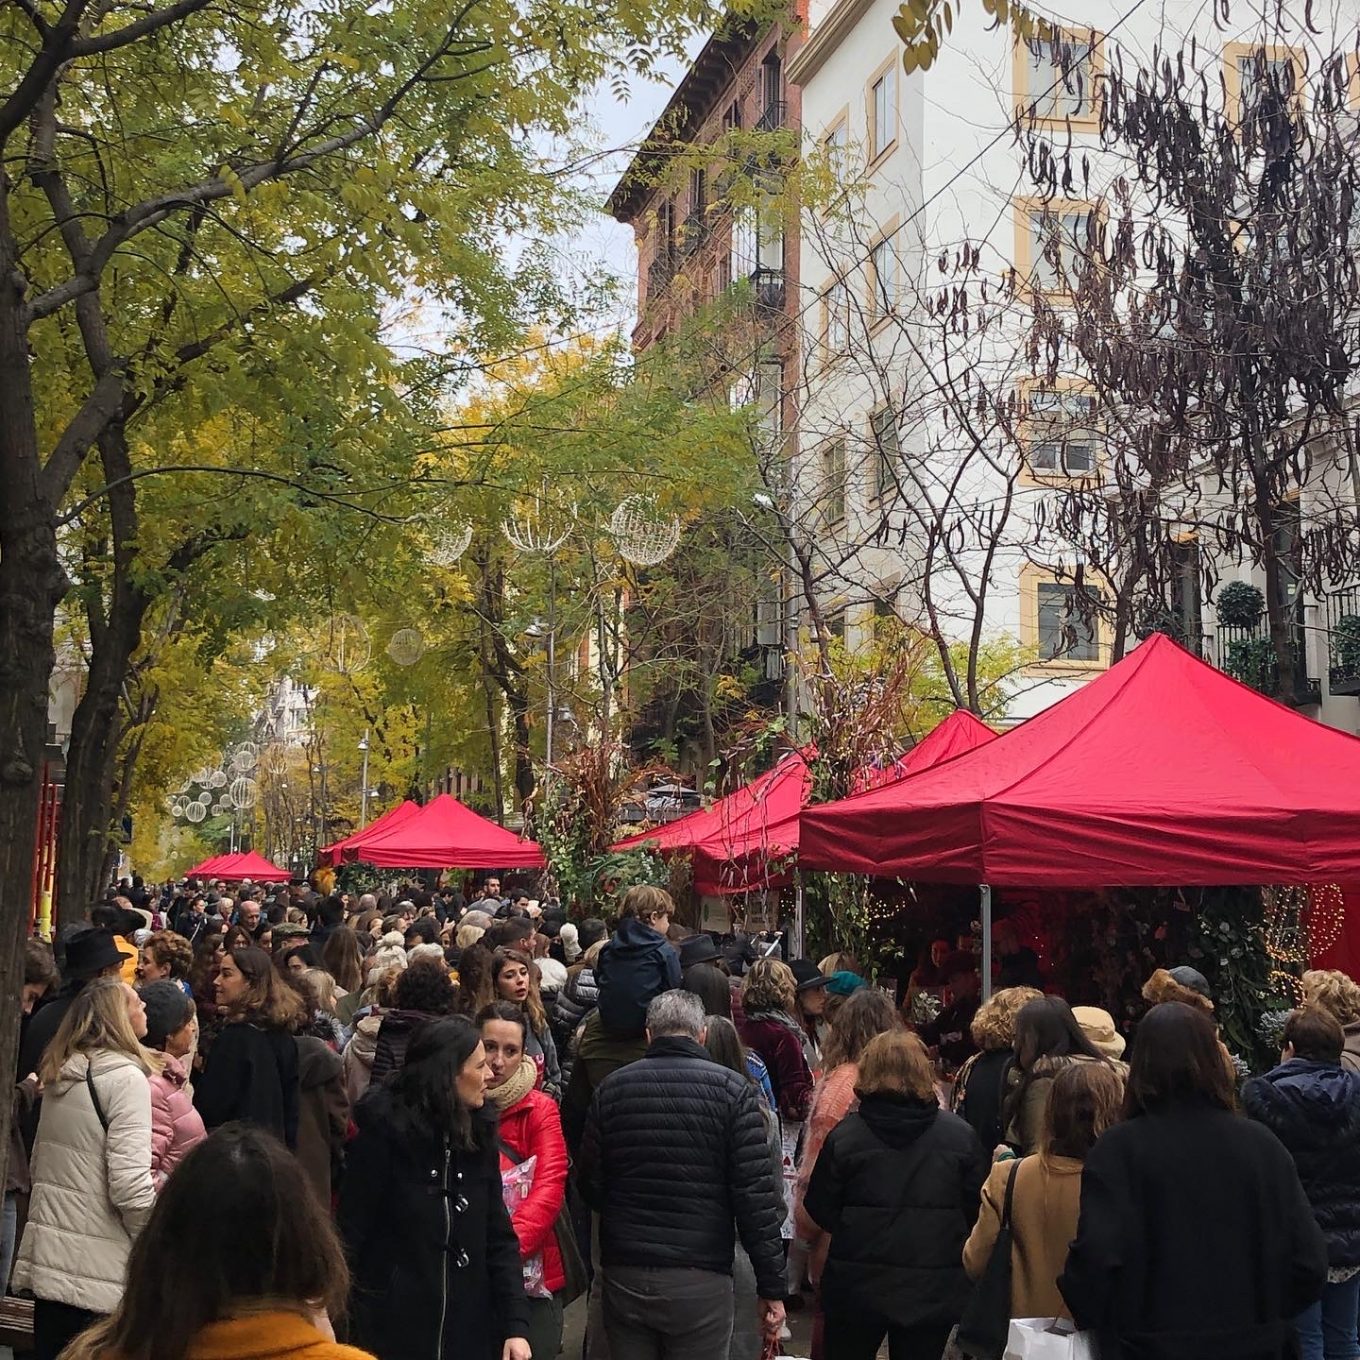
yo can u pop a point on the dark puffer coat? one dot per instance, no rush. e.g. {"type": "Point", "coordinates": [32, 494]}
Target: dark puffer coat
{"type": "Point", "coordinates": [675, 1151]}
{"type": "Point", "coordinates": [435, 1261]}
{"type": "Point", "coordinates": [897, 1185]}
{"type": "Point", "coordinates": [1313, 1108]}
{"type": "Point", "coordinates": [393, 1035]}
{"type": "Point", "coordinates": [574, 1002]}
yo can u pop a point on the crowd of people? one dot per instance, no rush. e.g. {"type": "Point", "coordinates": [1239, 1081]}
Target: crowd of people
{"type": "Point", "coordinates": [248, 1123]}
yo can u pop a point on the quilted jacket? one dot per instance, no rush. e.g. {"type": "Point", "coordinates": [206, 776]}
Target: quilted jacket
{"type": "Point", "coordinates": [532, 1127]}
{"type": "Point", "coordinates": [175, 1125]}
{"type": "Point", "coordinates": [707, 1166]}
{"type": "Point", "coordinates": [92, 1188]}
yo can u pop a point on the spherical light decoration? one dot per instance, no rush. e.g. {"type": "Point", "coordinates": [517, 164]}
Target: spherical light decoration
{"type": "Point", "coordinates": [406, 646]}
{"type": "Point", "coordinates": [243, 792]}
{"type": "Point", "coordinates": [204, 798]}
{"type": "Point", "coordinates": [540, 523]}
{"type": "Point", "coordinates": [348, 648]}
{"type": "Point", "coordinates": [177, 807]}
{"type": "Point", "coordinates": [217, 779]}
{"type": "Point", "coordinates": [641, 533]}
{"type": "Point", "coordinates": [449, 544]}
{"type": "Point", "coordinates": [195, 812]}
{"type": "Point", "coordinates": [201, 775]}
{"type": "Point", "coordinates": [243, 758]}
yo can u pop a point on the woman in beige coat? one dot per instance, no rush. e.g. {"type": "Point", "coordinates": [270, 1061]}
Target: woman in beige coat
{"type": "Point", "coordinates": [1083, 1101]}
{"type": "Point", "coordinates": [92, 1184]}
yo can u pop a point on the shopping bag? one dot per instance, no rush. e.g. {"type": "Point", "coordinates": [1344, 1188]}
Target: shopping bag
{"type": "Point", "coordinates": [515, 1186]}
{"type": "Point", "coordinates": [1048, 1339]}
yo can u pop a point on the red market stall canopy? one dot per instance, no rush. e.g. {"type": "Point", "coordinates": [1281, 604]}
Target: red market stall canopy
{"type": "Point", "coordinates": [351, 847]}
{"type": "Point", "coordinates": [1161, 772]}
{"type": "Point", "coordinates": [446, 834]}
{"type": "Point", "coordinates": [234, 868]}
{"type": "Point", "coordinates": [733, 841]}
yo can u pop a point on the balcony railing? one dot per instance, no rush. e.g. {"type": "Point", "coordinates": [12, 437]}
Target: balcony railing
{"type": "Point", "coordinates": [1248, 655]}
{"type": "Point", "coordinates": [774, 117]}
{"type": "Point", "coordinates": [662, 270]}
{"type": "Point", "coordinates": [1343, 641]}
{"type": "Point", "coordinates": [767, 286]}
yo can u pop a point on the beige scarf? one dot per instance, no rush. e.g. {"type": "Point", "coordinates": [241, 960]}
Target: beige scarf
{"type": "Point", "coordinates": [516, 1086]}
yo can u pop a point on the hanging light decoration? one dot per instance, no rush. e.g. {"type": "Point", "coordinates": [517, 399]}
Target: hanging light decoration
{"type": "Point", "coordinates": [177, 807]}
{"type": "Point", "coordinates": [243, 758]}
{"type": "Point", "coordinates": [406, 646]}
{"type": "Point", "coordinates": [540, 523]}
{"type": "Point", "coordinates": [243, 792]}
{"type": "Point", "coordinates": [348, 648]}
{"type": "Point", "coordinates": [195, 812]}
{"type": "Point", "coordinates": [449, 544]}
{"type": "Point", "coordinates": [642, 534]}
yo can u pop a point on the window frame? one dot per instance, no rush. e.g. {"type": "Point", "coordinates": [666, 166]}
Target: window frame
{"type": "Point", "coordinates": [1032, 576]}
{"type": "Point", "coordinates": [1232, 73]}
{"type": "Point", "coordinates": [1030, 475]}
{"type": "Point", "coordinates": [888, 68]}
{"type": "Point", "coordinates": [1026, 210]}
{"type": "Point", "coordinates": [826, 470]}
{"type": "Point", "coordinates": [839, 124]}
{"type": "Point", "coordinates": [828, 350]}
{"type": "Point", "coordinates": [886, 237]}
{"type": "Point", "coordinates": [881, 490]}
{"type": "Point", "coordinates": [1024, 98]}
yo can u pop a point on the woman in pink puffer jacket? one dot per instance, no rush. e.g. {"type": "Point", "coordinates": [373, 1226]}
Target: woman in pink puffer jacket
{"type": "Point", "coordinates": [175, 1125]}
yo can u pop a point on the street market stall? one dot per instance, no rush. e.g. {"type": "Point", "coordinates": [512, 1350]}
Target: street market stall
{"type": "Point", "coordinates": [245, 864]}
{"type": "Point", "coordinates": [446, 834]}
{"type": "Point", "coordinates": [351, 847]}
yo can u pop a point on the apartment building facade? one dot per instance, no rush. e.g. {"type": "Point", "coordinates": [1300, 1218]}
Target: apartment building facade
{"type": "Point", "coordinates": [931, 452]}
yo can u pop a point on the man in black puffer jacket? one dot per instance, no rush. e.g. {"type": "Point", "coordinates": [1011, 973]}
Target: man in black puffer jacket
{"type": "Point", "coordinates": [1312, 1105]}
{"type": "Point", "coordinates": [675, 1152]}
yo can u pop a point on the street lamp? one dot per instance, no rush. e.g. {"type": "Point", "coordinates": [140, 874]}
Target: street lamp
{"type": "Point", "coordinates": [363, 780]}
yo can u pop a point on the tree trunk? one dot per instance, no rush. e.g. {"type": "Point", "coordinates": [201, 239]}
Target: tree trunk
{"type": "Point", "coordinates": [32, 584]}
{"type": "Point", "coordinates": [1279, 611]}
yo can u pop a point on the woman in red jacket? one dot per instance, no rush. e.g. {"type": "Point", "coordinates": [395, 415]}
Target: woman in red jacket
{"type": "Point", "coordinates": [530, 1126]}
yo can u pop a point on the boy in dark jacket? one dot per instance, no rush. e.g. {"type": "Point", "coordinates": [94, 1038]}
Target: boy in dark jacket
{"type": "Point", "coordinates": [637, 964]}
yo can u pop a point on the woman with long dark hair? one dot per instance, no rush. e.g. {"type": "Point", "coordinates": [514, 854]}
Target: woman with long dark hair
{"type": "Point", "coordinates": [530, 1126]}
{"type": "Point", "coordinates": [1047, 1039]}
{"type": "Point", "coordinates": [516, 979]}
{"type": "Point", "coordinates": [1194, 1236]}
{"type": "Point", "coordinates": [268, 1272]}
{"type": "Point", "coordinates": [252, 1072]}
{"type": "Point", "coordinates": [436, 1262]}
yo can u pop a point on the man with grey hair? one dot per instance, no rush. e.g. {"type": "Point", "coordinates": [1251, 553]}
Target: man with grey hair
{"type": "Point", "coordinates": [675, 1152]}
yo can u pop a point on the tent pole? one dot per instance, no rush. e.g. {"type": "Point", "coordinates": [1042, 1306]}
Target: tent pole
{"type": "Point", "coordinates": [985, 892]}
{"type": "Point", "coordinates": [797, 949]}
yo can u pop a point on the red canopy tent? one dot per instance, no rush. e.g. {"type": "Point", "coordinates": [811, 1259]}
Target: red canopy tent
{"type": "Point", "coordinates": [243, 864]}
{"type": "Point", "coordinates": [733, 841]}
{"type": "Point", "coordinates": [1163, 771]}
{"type": "Point", "coordinates": [447, 834]}
{"type": "Point", "coordinates": [351, 847]}
{"type": "Point", "coordinates": [206, 868]}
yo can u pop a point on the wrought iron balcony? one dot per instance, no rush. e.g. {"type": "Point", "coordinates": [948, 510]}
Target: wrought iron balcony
{"type": "Point", "coordinates": [1248, 655]}
{"type": "Point", "coordinates": [774, 117]}
{"type": "Point", "coordinates": [767, 286]}
{"type": "Point", "coordinates": [1343, 641]}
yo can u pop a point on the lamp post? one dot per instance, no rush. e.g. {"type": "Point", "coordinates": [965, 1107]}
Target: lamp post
{"type": "Point", "coordinates": [363, 779]}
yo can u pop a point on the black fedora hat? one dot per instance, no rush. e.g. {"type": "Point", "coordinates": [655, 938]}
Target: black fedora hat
{"type": "Point", "coordinates": [808, 975]}
{"type": "Point", "coordinates": [697, 949]}
{"type": "Point", "coordinates": [91, 951]}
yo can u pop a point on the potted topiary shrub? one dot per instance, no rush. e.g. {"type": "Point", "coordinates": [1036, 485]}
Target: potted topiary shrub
{"type": "Point", "coordinates": [1252, 661]}
{"type": "Point", "coordinates": [1240, 605]}
{"type": "Point", "coordinates": [1346, 644]}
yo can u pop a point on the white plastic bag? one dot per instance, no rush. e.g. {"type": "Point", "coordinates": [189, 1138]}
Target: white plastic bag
{"type": "Point", "coordinates": [515, 1186]}
{"type": "Point", "coordinates": [1047, 1339]}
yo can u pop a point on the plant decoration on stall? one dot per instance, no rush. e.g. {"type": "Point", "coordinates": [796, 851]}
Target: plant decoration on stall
{"type": "Point", "coordinates": [576, 820]}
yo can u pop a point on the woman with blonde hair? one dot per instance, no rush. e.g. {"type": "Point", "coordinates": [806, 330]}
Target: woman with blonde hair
{"type": "Point", "coordinates": [1083, 1102]}
{"type": "Point", "coordinates": [1333, 991]}
{"type": "Point", "coordinates": [770, 1027]}
{"type": "Point", "coordinates": [896, 1187]}
{"type": "Point", "coordinates": [92, 1182]}
{"type": "Point", "coordinates": [981, 1084]}
{"type": "Point", "coordinates": [252, 1072]}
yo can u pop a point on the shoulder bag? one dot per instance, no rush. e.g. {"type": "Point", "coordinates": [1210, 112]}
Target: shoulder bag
{"type": "Point", "coordinates": [986, 1319]}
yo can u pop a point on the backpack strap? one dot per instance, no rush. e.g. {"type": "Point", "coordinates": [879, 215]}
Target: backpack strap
{"type": "Point", "coordinates": [94, 1097]}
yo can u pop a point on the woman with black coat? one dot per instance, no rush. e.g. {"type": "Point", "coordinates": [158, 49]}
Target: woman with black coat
{"type": "Point", "coordinates": [1312, 1105]}
{"type": "Point", "coordinates": [897, 1186]}
{"type": "Point", "coordinates": [1194, 1238]}
{"type": "Point", "coordinates": [251, 1073]}
{"type": "Point", "coordinates": [435, 1261]}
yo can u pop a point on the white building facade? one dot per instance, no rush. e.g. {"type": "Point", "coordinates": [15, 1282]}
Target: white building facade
{"type": "Point", "coordinates": [930, 452]}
